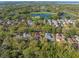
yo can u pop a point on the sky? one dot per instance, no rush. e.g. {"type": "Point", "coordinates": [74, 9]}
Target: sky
{"type": "Point", "coordinates": [39, 0]}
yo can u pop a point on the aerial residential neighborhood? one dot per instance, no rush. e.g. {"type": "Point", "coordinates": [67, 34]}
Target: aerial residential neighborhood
{"type": "Point", "coordinates": [39, 29]}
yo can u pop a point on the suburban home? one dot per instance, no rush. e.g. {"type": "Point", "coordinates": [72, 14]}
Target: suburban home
{"type": "Point", "coordinates": [72, 39]}
{"type": "Point", "coordinates": [49, 21]}
{"type": "Point", "coordinates": [55, 23]}
{"type": "Point", "coordinates": [37, 35]}
{"type": "Point", "coordinates": [77, 38]}
{"type": "Point", "coordinates": [49, 36]}
{"type": "Point", "coordinates": [26, 36]}
{"type": "Point", "coordinates": [1, 21]}
{"type": "Point", "coordinates": [10, 22]}
{"type": "Point", "coordinates": [45, 21]}
{"type": "Point", "coordinates": [60, 37]}
{"type": "Point", "coordinates": [30, 22]}
{"type": "Point", "coordinates": [18, 35]}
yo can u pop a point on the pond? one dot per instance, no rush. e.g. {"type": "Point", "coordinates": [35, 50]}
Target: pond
{"type": "Point", "coordinates": [43, 14]}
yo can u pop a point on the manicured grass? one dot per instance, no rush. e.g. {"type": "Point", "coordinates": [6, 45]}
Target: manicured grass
{"type": "Point", "coordinates": [41, 13]}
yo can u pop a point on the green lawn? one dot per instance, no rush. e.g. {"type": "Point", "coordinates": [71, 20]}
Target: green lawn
{"type": "Point", "coordinates": [42, 13]}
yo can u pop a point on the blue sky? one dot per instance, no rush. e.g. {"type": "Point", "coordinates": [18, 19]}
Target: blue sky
{"type": "Point", "coordinates": [39, 0]}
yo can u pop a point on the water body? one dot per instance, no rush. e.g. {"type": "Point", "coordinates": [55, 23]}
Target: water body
{"type": "Point", "coordinates": [43, 15]}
